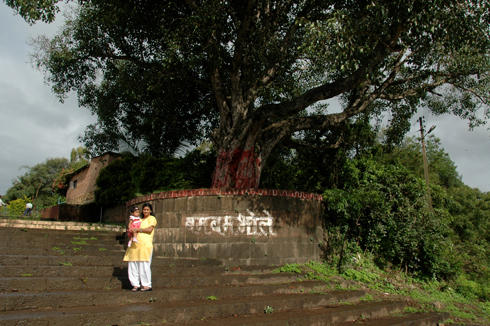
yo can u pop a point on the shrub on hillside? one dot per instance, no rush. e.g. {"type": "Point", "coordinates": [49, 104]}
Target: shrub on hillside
{"type": "Point", "coordinates": [382, 208]}
{"type": "Point", "coordinates": [114, 184]}
{"type": "Point", "coordinates": [124, 179]}
{"type": "Point", "coordinates": [467, 288]}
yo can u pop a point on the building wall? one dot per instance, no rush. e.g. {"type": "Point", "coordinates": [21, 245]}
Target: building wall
{"type": "Point", "coordinates": [85, 180]}
{"type": "Point", "coordinates": [82, 180]}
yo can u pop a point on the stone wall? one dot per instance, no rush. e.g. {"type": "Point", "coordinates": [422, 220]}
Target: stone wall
{"type": "Point", "coordinates": [114, 214]}
{"type": "Point", "coordinates": [51, 213]}
{"type": "Point", "coordinates": [84, 213]}
{"type": "Point", "coordinates": [72, 213]}
{"type": "Point", "coordinates": [79, 213]}
{"type": "Point", "coordinates": [247, 228]}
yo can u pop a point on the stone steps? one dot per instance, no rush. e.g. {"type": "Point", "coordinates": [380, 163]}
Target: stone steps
{"type": "Point", "coordinates": [416, 319]}
{"type": "Point", "coordinates": [53, 246]}
{"type": "Point", "coordinates": [34, 284]}
{"type": "Point", "coordinates": [65, 269]}
{"type": "Point", "coordinates": [63, 251]}
{"type": "Point", "coordinates": [170, 312]}
{"type": "Point", "coordinates": [44, 281]}
{"type": "Point", "coordinates": [9, 242]}
{"type": "Point", "coordinates": [67, 299]}
{"type": "Point", "coordinates": [330, 315]}
{"type": "Point", "coordinates": [53, 225]}
{"type": "Point", "coordinates": [81, 260]}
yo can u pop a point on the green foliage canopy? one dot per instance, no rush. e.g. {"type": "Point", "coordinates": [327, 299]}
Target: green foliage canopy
{"type": "Point", "coordinates": [250, 71]}
{"type": "Point", "coordinates": [383, 208]}
{"type": "Point", "coordinates": [376, 201]}
{"type": "Point", "coordinates": [124, 179]}
{"type": "Point", "coordinates": [442, 170]}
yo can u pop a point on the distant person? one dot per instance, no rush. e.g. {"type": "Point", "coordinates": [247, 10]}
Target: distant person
{"type": "Point", "coordinates": [28, 210]}
{"type": "Point", "coordinates": [2, 203]}
{"type": "Point", "coordinates": [134, 223]}
{"type": "Point", "coordinates": [139, 254]}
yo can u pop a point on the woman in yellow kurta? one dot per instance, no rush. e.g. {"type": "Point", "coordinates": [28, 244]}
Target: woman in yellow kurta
{"type": "Point", "coordinates": [139, 254]}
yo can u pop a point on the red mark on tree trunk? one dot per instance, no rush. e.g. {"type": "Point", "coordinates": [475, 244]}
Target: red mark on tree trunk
{"type": "Point", "coordinates": [237, 169]}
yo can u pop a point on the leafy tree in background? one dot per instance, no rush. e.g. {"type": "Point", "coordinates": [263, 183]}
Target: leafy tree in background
{"type": "Point", "coordinates": [114, 183]}
{"type": "Point", "coordinates": [147, 119]}
{"type": "Point", "coordinates": [45, 182]}
{"type": "Point", "coordinates": [313, 167]}
{"type": "Point", "coordinates": [79, 156]}
{"type": "Point", "coordinates": [442, 170]}
{"type": "Point", "coordinates": [253, 71]}
{"type": "Point", "coordinates": [36, 183]}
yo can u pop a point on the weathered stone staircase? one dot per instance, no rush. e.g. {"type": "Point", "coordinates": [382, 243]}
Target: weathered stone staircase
{"type": "Point", "coordinates": [77, 277]}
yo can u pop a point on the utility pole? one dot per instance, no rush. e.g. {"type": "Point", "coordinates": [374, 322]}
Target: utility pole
{"type": "Point", "coordinates": [424, 154]}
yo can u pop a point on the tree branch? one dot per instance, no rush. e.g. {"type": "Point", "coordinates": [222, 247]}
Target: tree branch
{"type": "Point", "coordinates": [358, 103]}
{"type": "Point", "coordinates": [291, 143]}
{"type": "Point", "coordinates": [237, 61]}
{"type": "Point", "coordinates": [323, 92]}
{"type": "Point", "coordinates": [220, 100]}
{"type": "Point", "coordinates": [269, 72]}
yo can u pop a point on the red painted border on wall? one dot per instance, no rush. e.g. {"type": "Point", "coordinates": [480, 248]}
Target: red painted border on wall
{"type": "Point", "coordinates": [229, 191]}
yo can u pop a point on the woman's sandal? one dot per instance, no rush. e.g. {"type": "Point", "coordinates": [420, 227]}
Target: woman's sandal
{"type": "Point", "coordinates": [145, 289]}
{"type": "Point", "coordinates": [135, 289]}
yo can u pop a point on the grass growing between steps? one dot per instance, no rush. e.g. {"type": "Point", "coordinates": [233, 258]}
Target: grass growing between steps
{"type": "Point", "coordinates": [421, 296]}
{"type": "Point", "coordinates": [33, 217]}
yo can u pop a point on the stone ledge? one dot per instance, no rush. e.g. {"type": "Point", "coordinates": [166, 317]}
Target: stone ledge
{"type": "Point", "coordinates": [54, 225]}
{"type": "Point", "coordinates": [224, 192]}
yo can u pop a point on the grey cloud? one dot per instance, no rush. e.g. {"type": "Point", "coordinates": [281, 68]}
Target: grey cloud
{"type": "Point", "coordinates": [34, 125]}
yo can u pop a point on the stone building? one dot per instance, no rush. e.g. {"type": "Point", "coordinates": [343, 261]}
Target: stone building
{"type": "Point", "coordinates": [82, 182]}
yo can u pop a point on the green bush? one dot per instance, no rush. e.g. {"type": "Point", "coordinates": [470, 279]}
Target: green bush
{"type": "Point", "coordinates": [382, 208]}
{"type": "Point", "coordinates": [361, 276]}
{"type": "Point", "coordinates": [150, 174]}
{"type": "Point", "coordinates": [114, 184]}
{"type": "Point", "coordinates": [123, 179]}
{"type": "Point", "coordinates": [288, 268]}
{"type": "Point", "coordinates": [18, 206]}
{"type": "Point", "coordinates": [468, 289]}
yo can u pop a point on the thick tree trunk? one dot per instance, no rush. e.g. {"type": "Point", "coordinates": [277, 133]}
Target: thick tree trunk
{"type": "Point", "coordinates": [237, 168]}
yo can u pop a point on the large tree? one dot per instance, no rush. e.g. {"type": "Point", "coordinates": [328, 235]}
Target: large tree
{"type": "Point", "coordinates": [36, 183]}
{"type": "Point", "coordinates": [260, 66]}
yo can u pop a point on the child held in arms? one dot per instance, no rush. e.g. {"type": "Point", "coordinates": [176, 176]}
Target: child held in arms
{"type": "Point", "coordinates": [135, 223]}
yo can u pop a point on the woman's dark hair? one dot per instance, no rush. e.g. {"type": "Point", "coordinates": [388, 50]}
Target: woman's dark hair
{"type": "Point", "coordinates": [134, 209]}
{"type": "Point", "coordinates": [149, 206]}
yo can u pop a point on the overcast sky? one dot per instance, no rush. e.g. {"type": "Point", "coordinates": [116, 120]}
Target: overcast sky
{"type": "Point", "coordinates": [34, 125]}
